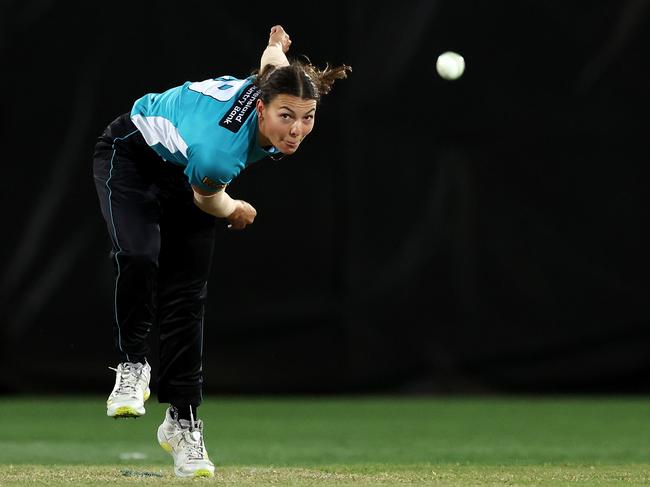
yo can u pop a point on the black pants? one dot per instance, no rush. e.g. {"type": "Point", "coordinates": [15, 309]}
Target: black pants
{"type": "Point", "coordinates": [162, 253]}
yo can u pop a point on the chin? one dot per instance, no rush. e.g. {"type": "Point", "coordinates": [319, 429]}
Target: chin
{"type": "Point", "coordinates": [289, 150]}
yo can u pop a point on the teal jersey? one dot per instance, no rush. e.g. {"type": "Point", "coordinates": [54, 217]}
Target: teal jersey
{"type": "Point", "coordinates": [209, 127]}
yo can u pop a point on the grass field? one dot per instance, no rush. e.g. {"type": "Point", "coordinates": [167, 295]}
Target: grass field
{"type": "Point", "coordinates": [346, 441]}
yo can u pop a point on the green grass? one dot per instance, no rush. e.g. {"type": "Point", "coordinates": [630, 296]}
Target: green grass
{"type": "Point", "coordinates": [346, 441]}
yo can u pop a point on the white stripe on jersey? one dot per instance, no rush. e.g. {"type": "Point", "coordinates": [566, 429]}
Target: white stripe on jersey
{"type": "Point", "coordinates": [159, 130]}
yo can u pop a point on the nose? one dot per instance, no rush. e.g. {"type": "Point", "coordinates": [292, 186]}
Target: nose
{"type": "Point", "coordinates": [295, 130]}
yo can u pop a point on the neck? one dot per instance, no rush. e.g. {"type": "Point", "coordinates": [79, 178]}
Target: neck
{"type": "Point", "coordinates": [262, 140]}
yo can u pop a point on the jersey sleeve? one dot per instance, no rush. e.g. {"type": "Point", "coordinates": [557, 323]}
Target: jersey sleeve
{"type": "Point", "coordinates": [211, 170]}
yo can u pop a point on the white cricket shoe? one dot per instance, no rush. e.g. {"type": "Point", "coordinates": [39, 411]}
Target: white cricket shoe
{"type": "Point", "coordinates": [184, 441]}
{"type": "Point", "coordinates": [131, 390]}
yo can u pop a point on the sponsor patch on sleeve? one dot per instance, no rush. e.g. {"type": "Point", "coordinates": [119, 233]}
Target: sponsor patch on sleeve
{"type": "Point", "coordinates": [212, 184]}
{"type": "Point", "coordinates": [241, 109]}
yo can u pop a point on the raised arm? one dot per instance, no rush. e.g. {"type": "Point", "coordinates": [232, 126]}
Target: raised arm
{"type": "Point", "coordinates": [279, 42]}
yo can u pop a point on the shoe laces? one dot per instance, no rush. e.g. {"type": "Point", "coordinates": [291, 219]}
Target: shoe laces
{"type": "Point", "coordinates": [194, 440]}
{"type": "Point", "coordinates": [192, 436]}
{"type": "Point", "coordinates": [129, 376]}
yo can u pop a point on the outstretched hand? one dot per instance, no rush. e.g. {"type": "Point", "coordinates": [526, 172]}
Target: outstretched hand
{"type": "Point", "coordinates": [279, 37]}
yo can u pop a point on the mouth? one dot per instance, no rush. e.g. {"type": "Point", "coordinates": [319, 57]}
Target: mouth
{"type": "Point", "coordinates": [291, 145]}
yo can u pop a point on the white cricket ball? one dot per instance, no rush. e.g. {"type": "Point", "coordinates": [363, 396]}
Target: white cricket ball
{"type": "Point", "coordinates": [450, 65]}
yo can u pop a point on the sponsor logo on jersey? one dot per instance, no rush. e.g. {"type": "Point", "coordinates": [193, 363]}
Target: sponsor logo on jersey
{"type": "Point", "coordinates": [241, 109]}
{"type": "Point", "coordinates": [212, 184]}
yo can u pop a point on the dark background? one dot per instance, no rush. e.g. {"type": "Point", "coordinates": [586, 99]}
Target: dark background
{"type": "Point", "coordinates": [482, 235]}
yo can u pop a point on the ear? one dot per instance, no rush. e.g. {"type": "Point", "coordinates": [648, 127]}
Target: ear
{"type": "Point", "coordinates": [259, 106]}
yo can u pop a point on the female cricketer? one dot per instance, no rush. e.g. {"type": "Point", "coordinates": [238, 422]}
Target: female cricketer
{"type": "Point", "coordinates": [161, 173]}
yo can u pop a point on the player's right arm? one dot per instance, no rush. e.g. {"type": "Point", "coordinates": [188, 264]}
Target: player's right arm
{"type": "Point", "coordinates": [220, 204]}
{"type": "Point", "coordinates": [274, 54]}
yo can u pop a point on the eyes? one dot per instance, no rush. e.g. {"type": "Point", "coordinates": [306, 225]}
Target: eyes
{"type": "Point", "coordinates": [288, 116]}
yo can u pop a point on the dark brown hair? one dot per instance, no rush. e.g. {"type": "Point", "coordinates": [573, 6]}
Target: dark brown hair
{"type": "Point", "coordinates": [300, 79]}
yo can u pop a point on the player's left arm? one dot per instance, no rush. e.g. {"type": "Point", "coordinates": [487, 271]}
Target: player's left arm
{"type": "Point", "coordinates": [279, 43]}
{"type": "Point", "coordinates": [238, 212]}
{"type": "Point", "coordinates": [218, 203]}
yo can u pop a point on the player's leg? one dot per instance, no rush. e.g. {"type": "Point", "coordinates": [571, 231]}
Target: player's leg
{"type": "Point", "coordinates": [130, 208]}
{"type": "Point", "coordinates": [187, 241]}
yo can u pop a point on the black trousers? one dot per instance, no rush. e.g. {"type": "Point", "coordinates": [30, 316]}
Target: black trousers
{"type": "Point", "coordinates": [162, 254]}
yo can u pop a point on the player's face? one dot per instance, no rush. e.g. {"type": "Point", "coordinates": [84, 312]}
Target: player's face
{"type": "Point", "coordinates": [285, 121]}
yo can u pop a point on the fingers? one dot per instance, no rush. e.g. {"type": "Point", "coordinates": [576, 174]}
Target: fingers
{"type": "Point", "coordinates": [242, 217]}
{"type": "Point", "coordinates": [278, 31]}
{"type": "Point", "coordinates": [250, 208]}
{"type": "Point", "coordinates": [238, 225]}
